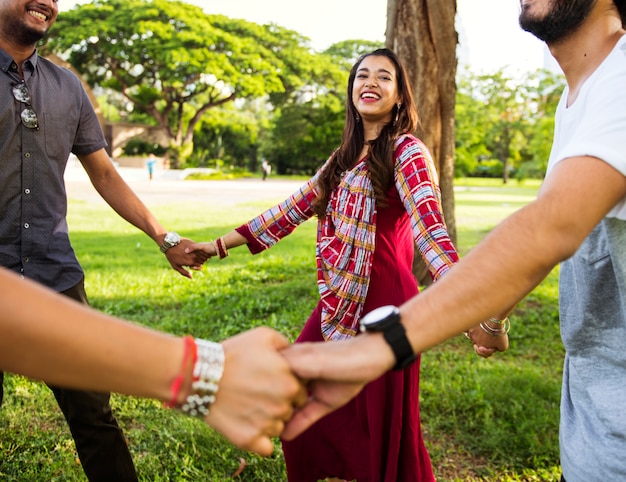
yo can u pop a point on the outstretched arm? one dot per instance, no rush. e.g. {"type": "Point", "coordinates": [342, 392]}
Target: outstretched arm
{"type": "Point", "coordinates": [69, 344]}
{"type": "Point", "coordinates": [514, 258]}
{"type": "Point", "coordinates": [265, 230]}
{"type": "Point", "coordinates": [125, 202]}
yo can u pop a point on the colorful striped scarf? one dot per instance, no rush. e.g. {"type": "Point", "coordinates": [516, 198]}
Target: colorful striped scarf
{"type": "Point", "coordinates": [346, 241]}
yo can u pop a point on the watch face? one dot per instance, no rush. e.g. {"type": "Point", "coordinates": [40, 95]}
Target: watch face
{"type": "Point", "coordinates": [378, 318]}
{"type": "Point", "coordinates": [172, 238]}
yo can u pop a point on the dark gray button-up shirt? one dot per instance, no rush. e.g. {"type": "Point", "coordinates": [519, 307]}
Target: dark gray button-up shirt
{"type": "Point", "coordinates": [34, 238]}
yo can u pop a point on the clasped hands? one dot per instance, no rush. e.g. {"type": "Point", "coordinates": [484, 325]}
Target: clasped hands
{"type": "Point", "coordinates": [189, 255]}
{"type": "Point", "coordinates": [272, 388]}
{"type": "Point", "coordinates": [485, 342]}
{"type": "Point", "coordinates": [183, 259]}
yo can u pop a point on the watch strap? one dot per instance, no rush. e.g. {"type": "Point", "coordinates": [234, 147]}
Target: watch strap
{"type": "Point", "coordinates": [169, 244]}
{"type": "Point", "coordinates": [395, 336]}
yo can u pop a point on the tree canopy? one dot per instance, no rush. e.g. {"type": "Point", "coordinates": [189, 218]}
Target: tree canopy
{"type": "Point", "coordinates": [174, 62]}
{"type": "Point", "coordinates": [505, 124]}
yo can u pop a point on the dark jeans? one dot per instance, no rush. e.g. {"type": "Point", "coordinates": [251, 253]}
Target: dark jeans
{"type": "Point", "coordinates": [99, 440]}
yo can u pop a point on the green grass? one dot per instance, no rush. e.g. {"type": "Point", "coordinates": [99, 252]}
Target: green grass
{"type": "Point", "coordinates": [493, 419]}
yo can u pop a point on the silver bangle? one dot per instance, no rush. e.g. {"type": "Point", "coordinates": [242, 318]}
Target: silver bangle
{"type": "Point", "coordinates": [506, 326]}
{"type": "Point", "coordinates": [495, 321]}
{"type": "Point", "coordinates": [207, 373]}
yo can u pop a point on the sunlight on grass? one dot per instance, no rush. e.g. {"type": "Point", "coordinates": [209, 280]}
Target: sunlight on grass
{"type": "Point", "coordinates": [491, 419]}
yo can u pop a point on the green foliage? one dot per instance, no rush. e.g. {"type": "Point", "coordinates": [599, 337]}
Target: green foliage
{"type": "Point", "coordinates": [505, 121]}
{"type": "Point", "coordinates": [174, 62]}
{"type": "Point", "coordinates": [228, 133]}
{"type": "Point", "coordinates": [170, 64]}
{"type": "Point", "coordinates": [220, 173]}
{"type": "Point", "coordinates": [490, 419]}
{"type": "Point", "coordinates": [139, 147]}
{"type": "Point", "coordinates": [489, 168]}
{"type": "Point", "coordinates": [348, 52]}
{"type": "Point", "coordinates": [304, 135]}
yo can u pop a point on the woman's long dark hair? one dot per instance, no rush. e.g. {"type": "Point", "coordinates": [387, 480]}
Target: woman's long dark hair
{"type": "Point", "coordinates": [379, 162]}
{"type": "Point", "coordinates": [621, 8]}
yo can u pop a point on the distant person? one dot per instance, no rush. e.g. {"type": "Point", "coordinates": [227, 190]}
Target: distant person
{"type": "Point", "coordinates": [375, 199]}
{"type": "Point", "coordinates": [151, 163]}
{"type": "Point", "coordinates": [578, 220]}
{"type": "Point", "coordinates": [46, 115]}
{"type": "Point", "coordinates": [244, 387]}
{"type": "Point", "coordinates": [266, 169]}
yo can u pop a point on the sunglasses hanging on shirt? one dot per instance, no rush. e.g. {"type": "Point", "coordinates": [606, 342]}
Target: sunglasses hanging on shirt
{"type": "Point", "coordinates": [28, 115]}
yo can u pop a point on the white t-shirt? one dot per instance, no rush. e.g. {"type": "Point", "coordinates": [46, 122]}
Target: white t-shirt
{"type": "Point", "coordinates": [591, 287]}
{"type": "Point", "coordinates": [595, 125]}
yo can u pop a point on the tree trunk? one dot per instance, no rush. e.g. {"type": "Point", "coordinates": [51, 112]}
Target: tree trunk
{"type": "Point", "coordinates": [423, 34]}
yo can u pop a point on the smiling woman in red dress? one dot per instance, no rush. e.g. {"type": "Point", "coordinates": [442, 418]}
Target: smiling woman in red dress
{"type": "Point", "coordinates": [376, 198]}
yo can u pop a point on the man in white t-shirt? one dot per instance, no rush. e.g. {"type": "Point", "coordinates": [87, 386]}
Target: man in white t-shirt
{"type": "Point", "coordinates": [590, 128]}
{"type": "Point", "coordinates": [578, 218]}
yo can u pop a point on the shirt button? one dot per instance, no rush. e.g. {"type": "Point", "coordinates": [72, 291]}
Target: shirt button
{"type": "Point", "coordinates": [26, 191]}
{"type": "Point", "coordinates": [26, 225]}
{"type": "Point", "coordinates": [26, 260]}
{"type": "Point", "coordinates": [27, 155]}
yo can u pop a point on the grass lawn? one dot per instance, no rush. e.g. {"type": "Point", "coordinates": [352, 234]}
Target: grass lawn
{"type": "Point", "coordinates": [493, 419]}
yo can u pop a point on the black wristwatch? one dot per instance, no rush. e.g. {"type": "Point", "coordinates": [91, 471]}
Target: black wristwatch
{"type": "Point", "coordinates": [171, 239]}
{"type": "Point", "coordinates": [386, 320]}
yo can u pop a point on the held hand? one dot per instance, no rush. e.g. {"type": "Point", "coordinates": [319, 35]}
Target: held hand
{"type": "Point", "coordinates": [337, 370]}
{"type": "Point", "coordinates": [180, 259]}
{"type": "Point", "coordinates": [208, 249]}
{"type": "Point", "coordinates": [258, 391]}
{"type": "Point", "coordinates": [486, 344]}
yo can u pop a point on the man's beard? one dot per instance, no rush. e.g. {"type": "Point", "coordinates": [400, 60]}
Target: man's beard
{"type": "Point", "coordinates": [24, 35]}
{"type": "Point", "coordinates": [563, 19]}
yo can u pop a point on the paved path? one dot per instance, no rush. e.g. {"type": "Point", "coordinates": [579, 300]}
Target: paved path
{"type": "Point", "coordinates": [167, 187]}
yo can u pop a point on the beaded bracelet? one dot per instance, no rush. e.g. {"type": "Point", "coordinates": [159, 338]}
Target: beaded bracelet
{"type": "Point", "coordinates": [207, 373]}
{"type": "Point", "coordinates": [208, 368]}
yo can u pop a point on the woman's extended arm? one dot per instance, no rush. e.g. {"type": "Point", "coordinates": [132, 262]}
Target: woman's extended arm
{"type": "Point", "coordinates": [266, 229]}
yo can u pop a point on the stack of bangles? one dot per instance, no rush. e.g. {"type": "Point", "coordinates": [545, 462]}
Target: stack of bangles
{"type": "Point", "coordinates": [220, 248]}
{"type": "Point", "coordinates": [503, 327]}
{"type": "Point", "coordinates": [206, 360]}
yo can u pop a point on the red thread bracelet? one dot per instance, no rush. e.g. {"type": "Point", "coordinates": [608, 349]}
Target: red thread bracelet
{"type": "Point", "coordinates": [191, 352]}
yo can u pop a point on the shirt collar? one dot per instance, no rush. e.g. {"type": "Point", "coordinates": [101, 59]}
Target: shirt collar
{"type": "Point", "coordinates": [6, 61]}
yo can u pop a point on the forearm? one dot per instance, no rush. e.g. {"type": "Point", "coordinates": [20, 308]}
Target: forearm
{"type": "Point", "coordinates": [518, 254]}
{"type": "Point", "coordinates": [68, 344]}
{"type": "Point", "coordinates": [125, 202]}
{"type": "Point", "coordinates": [233, 239]}
{"type": "Point", "coordinates": [219, 248]}
{"type": "Point", "coordinates": [492, 278]}
{"type": "Point", "coordinates": [267, 229]}
{"type": "Point", "coordinates": [114, 190]}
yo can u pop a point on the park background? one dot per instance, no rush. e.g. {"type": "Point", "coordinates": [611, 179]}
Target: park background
{"type": "Point", "coordinates": [482, 419]}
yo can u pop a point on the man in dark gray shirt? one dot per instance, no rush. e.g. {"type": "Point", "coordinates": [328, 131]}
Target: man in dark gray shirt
{"type": "Point", "coordinates": [44, 115]}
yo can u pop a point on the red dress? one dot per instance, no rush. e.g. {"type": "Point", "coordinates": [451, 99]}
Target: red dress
{"type": "Point", "coordinates": [377, 436]}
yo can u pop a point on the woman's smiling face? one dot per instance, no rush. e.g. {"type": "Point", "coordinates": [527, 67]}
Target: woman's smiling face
{"type": "Point", "coordinates": [375, 89]}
